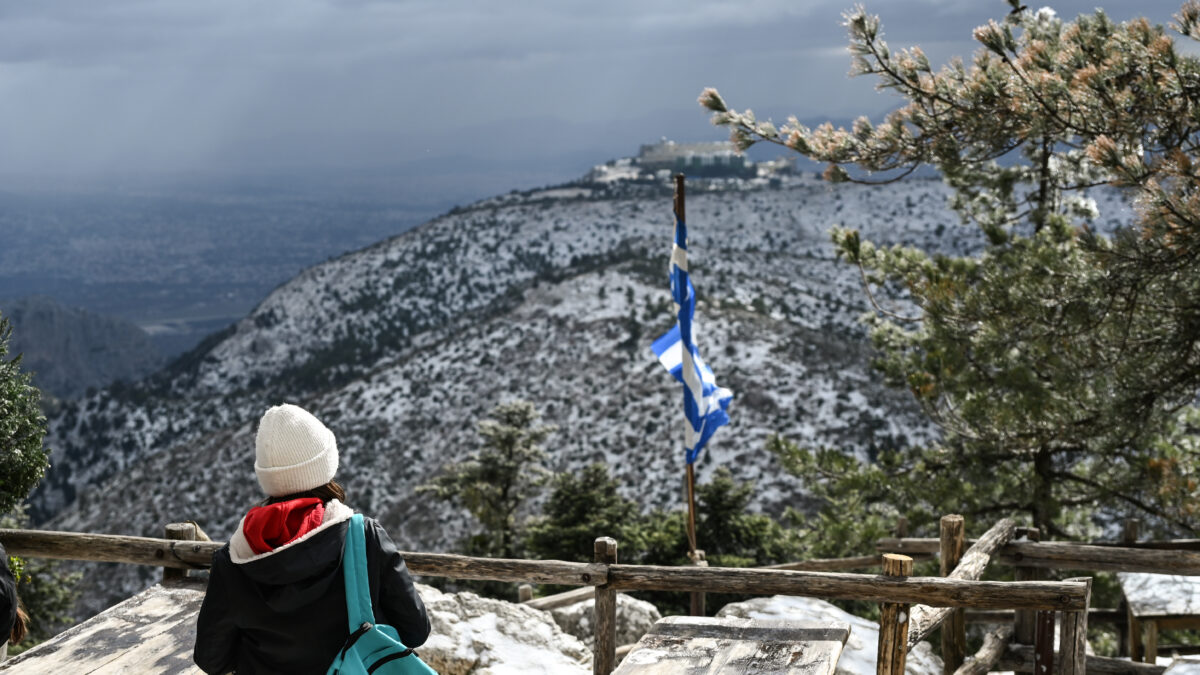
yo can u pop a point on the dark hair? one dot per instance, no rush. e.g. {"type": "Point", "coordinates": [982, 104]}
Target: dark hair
{"type": "Point", "coordinates": [20, 626]}
{"type": "Point", "coordinates": [330, 490]}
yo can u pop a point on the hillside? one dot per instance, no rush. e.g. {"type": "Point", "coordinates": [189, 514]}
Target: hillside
{"type": "Point", "coordinates": [71, 350]}
{"type": "Point", "coordinates": [551, 295]}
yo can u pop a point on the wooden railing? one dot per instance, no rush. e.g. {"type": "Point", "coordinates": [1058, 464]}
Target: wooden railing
{"type": "Point", "coordinates": [1071, 556]}
{"type": "Point", "coordinates": [606, 576]}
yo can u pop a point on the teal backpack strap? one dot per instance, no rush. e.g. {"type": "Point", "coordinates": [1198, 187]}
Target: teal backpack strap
{"type": "Point", "coordinates": [354, 568]}
{"type": "Point", "coordinates": [369, 647]}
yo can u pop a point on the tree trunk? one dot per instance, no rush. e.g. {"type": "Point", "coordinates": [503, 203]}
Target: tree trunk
{"type": "Point", "coordinates": [1043, 508]}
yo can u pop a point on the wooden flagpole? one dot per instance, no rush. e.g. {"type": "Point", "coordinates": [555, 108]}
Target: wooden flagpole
{"type": "Point", "coordinates": [691, 474]}
{"type": "Point", "coordinates": [694, 554]}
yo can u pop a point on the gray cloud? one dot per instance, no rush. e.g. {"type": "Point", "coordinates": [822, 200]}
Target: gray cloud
{"type": "Point", "coordinates": [200, 85]}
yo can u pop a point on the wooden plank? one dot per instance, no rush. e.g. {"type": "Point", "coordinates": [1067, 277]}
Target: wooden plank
{"type": "Point", "coordinates": [152, 632]}
{"type": "Point", "coordinates": [1068, 555]}
{"type": "Point", "coordinates": [178, 532]}
{"type": "Point", "coordinates": [1073, 638]}
{"type": "Point", "coordinates": [861, 562]}
{"type": "Point", "coordinates": [109, 548]}
{"type": "Point", "coordinates": [954, 626]}
{"type": "Point", "coordinates": [929, 545]}
{"type": "Point", "coordinates": [604, 656]}
{"type": "Point", "coordinates": [1162, 544]}
{"type": "Point", "coordinates": [1020, 658]}
{"type": "Point", "coordinates": [732, 646]}
{"type": "Point", "coordinates": [198, 555]}
{"type": "Point", "coordinates": [1135, 638]}
{"type": "Point", "coordinates": [562, 599]}
{"type": "Point", "coordinates": [926, 618]}
{"type": "Point", "coordinates": [1178, 622]}
{"type": "Point", "coordinates": [696, 598]}
{"type": "Point", "coordinates": [1161, 595]}
{"type": "Point", "coordinates": [1064, 555]}
{"type": "Point", "coordinates": [1025, 621]}
{"type": "Point", "coordinates": [1043, 643]}
{"type": "Point", "coordinates": [1129, 531]}
{"type": "Point", "coordinates": [893, 621]}
{"type": "Point", "coordinates": [1182, 650]}
{"type": "Point", "coordinates": [1095, 616]}
{"type": "Point", "coordinates": [984, 660]}
{"type": "Point", "coordinates": [933, 591]}
{"type": "Point", "coordinates": [503, 569]}
{"type": "Point", "coordinates": [1151, 640]}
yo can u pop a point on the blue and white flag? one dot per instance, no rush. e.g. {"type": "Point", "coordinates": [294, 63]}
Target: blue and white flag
{"type": "Point", "coordinates": [704, 403]}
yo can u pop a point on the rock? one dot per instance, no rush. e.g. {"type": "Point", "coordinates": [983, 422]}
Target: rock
{"type": "Point", "coordinates": [634, 618]}
{"type": "Point", "coordinates": [482, 636]}
{"type": "Point", "coordinates": [858, 656]}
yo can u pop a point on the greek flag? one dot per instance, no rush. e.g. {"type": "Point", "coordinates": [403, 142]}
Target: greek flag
{"type": "Point", "coordinates": [704, 403]}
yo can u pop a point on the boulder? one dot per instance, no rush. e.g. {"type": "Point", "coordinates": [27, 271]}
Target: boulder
{"type": "Point", "coordinates": [858, 656]}
{"type": "Point", "coordinates": [634, 618]}
{"type": "Point", "coordinates": [482, 636]}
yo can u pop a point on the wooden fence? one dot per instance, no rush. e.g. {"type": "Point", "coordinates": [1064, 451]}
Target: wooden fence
{"type": "Point", "coordinates": [607, 577]}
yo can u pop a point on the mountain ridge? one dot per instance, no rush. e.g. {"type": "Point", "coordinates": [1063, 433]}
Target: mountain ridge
{"type": "Point", "coordinates": [550, 295]}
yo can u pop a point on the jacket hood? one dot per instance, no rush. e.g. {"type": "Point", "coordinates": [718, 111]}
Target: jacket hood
{"type": "Point", "coordinates": [240, 551]}
{"type": "Point", "coordinates": [300, 571]}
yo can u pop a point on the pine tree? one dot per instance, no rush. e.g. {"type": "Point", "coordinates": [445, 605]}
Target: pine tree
{"type": "Point", "coordinates": [23, 459]}
{"type": "Point", "coordinates": [498, 479]}
{"type": "Point", "coordinates": [46, 592]}
{"type": "Point", "coordinates": [1059, 362]}
{"type": "Point", "coordinates": [580, 508]}
{"type": "Point", "coordinates": [729, 534]}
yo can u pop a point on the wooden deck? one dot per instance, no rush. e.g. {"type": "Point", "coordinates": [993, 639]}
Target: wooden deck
{"type": "Point", "coordinates": [730, 646]}
{"type": "Point", "coordinates": [152, 632]}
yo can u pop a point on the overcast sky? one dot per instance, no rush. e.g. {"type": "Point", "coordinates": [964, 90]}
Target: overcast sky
{"type": "Point", "coordinates": [102, 86]}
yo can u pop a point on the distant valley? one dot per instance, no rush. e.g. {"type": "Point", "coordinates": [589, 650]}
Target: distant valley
{"type": "Point", "coordinates": [181, 263]}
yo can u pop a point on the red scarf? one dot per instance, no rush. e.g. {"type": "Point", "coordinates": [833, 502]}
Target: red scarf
{"type": "Point", "coordinates": [266, 528]}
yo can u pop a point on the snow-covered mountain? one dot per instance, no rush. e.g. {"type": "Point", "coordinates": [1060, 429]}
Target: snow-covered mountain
{"type": "Point", "coordinates": [551, 295]}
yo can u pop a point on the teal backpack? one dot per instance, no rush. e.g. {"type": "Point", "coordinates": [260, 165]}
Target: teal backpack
{"type": "Point", "coordinates": [371, 649]}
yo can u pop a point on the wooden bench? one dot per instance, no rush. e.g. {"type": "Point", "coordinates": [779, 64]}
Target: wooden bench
{"type": "Point", "coordinates": [1158, 601]}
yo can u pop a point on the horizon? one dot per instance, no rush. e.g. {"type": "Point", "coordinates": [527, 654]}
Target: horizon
{"type": "Point", "coordinates": [135, 93]}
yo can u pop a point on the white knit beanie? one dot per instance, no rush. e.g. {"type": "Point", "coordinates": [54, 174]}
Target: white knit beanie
{"type": "Point", "coordinates": [293, 451]}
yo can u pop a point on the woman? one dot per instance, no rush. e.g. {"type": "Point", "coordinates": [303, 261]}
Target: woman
{"type": "Point", "coordinates": [276, 602]}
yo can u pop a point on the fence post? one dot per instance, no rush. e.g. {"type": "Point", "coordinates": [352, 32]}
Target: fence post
{"type": "Point", "coordinates": [179, 532]}
{"type": "Point", "coordinates": [604, 655]}
{"type": "Point", "coordinates": [893, 621]}
{"type": "Point", "coordinates": [901, 527]}
{"type": "Point", "coordinates": [1126, 645]}
{"type": "Point", "coordinates": [1043, 643]}
{"type": "Point", "coordinates": [954, 628]}
{"type": "Point", "coordinates": [1129, 530]}
{"type": "Point", "coordinates": [524, 593]}
{"type": "Point", "coordinates": [697, 597]}
{"type": "Point", "coordinates": [1072, 641]}
{"type": "Point", "coordinates": [1024, 621]}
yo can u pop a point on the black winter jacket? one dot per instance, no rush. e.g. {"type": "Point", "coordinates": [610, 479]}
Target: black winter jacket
{"type": "Point", "coordinates": [8, 597]}
{"type": "Point", "coordinates": [286, 613]}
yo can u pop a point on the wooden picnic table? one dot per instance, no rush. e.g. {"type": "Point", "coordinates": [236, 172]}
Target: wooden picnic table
{"type": "Point", "coordinates": [1157, 602]}
{"type": "Point", "coordinates": [728, 646]}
